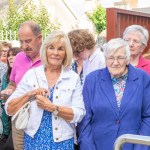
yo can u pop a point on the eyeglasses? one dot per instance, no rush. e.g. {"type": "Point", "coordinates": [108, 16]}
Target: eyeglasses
{"type": "Point", "coordinates": [4, 51]}
{"type": "Point", "coordinates": [135, 42]}
{"type": "Point", "coordinates": [11, 55]}
{"type": "Point", "coordinates": [112, 59]}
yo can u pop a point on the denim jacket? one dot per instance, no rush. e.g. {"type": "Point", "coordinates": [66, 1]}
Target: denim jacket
{"type": "Point", "coordinates": [67, 92]}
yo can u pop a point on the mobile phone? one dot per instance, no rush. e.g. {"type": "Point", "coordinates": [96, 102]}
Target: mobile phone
{"type": "Point", "coordinates": [4, 96]}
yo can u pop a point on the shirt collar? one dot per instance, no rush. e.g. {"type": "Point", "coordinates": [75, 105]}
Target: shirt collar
{"type": "Point", "coordinates": [94, 54]}
{"type": "Point", "coordinates": [64, 73]}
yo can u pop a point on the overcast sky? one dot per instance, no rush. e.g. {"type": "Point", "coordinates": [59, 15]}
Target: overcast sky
{"type": "Point", "coordinates": [77, 6]}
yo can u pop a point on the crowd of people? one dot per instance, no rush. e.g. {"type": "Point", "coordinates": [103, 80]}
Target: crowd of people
{"type": "Point", "coordinates": [81, 98]}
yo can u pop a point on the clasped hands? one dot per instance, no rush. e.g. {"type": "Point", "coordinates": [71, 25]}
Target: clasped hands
{"type": "Point", "coordinates": [41, 95]}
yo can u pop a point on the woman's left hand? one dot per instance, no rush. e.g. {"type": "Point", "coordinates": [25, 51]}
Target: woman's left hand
{"type": "Point", "coordinates": [44, 103]}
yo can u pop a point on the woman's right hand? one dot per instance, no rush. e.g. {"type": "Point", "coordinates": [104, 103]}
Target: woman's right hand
{"type": "Point", "coordinates": [40, 91]}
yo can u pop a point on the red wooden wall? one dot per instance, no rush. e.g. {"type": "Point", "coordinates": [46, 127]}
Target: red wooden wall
{"type": "Point", "coordinates": [118, 19]}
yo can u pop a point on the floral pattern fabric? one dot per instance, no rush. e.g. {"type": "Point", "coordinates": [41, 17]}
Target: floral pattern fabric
{"type": "Point", "coordinates": [43, 139]}
{"type": "Point", "coordinates": [119, 86]}
{"type": "Point", "coordinates": [74, 68]}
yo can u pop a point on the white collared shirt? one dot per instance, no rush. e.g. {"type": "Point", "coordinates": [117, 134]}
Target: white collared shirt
{"type": "Point", "coordinates": [94, 62]}
{"type": "Point", "coordinates": [67, 92]}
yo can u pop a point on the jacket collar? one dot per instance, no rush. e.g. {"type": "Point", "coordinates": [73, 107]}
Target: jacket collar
{"type": "Point", "coordinates": [94, 54]}
{"type": "Point", "coordinates": [41, 73]}
{"type": "Point", "coordinates": [106, 84]}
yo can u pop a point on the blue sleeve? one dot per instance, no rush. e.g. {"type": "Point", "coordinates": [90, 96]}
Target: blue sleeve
{"type": "Point", "coordinates": [145, 116]}
{"type": "Point", "coordinates": [84, 128]}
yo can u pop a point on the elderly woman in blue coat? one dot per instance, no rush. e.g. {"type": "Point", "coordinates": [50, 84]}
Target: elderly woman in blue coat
{"type": "Point", "coordinates": [117, 101]}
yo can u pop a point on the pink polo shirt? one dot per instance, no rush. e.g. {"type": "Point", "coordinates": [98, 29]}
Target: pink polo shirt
{"type": "Point", "coordinates": [21, 65]}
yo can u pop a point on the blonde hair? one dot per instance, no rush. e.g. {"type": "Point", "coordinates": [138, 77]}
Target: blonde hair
{"type": "Point", "coordinates": [55, 37]}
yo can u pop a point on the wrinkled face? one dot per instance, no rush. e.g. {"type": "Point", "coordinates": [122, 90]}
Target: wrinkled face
{"type": "Point", "coordinates": [134, 41]}
{"type": "Point", "coordinates": [11, 58]}
{"type": "Point", "coordinates": [29, 42]}
{"type": "Point", "coordinates": [56, 53]}
{"type": "Point", "coordinates": [117, 63]}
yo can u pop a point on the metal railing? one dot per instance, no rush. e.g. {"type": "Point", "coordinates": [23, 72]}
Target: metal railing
{"type": "Point", "coordinates": [13, 35]}
{"type": "Point", "coordinates": [130, 138]}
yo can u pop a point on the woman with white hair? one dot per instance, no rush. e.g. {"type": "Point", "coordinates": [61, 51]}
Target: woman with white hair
{"type": "Point", "coordinates": [116, 101]}
{"type": "Point", "coordinates": [137, 38]}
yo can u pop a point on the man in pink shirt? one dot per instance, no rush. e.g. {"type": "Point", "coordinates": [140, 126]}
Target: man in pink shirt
{"type": "Point", "coordinates": [21, 65]}
{"type": "Point", "coordinates": [30, 38]}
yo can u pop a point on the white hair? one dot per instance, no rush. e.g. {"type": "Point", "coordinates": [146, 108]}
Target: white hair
{"type": "Point", "coordinates": [137, 28]}
{"type": "Point", "coordinates": [114, 44]}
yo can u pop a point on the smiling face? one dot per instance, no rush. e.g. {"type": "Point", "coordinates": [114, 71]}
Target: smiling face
{"type": "Point", "coordinates": [56, 53]}
{"type": "Point", "coordinates": [117, 63]}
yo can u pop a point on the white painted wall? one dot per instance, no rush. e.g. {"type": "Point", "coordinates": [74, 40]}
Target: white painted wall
{"type": "Point", "coordinates": [57, 9]}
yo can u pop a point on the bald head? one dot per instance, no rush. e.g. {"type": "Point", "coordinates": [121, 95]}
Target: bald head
{"type": "Point", "coordinates": [30, 38]}
{"type": "Point", "coordinates": [33, 26]}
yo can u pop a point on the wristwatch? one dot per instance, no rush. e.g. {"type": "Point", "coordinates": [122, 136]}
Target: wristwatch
{"type": "Point", "coordinates": [55, 112]}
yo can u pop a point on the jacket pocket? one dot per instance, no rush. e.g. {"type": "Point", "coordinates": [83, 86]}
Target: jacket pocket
{"type": "Point", "coordinates": [66, 95]}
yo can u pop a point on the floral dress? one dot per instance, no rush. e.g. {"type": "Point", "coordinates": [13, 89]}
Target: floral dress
{"type": "Point", "coordinates": [43, 139]}
{"type": "Point", "coordinates": [74, 68]}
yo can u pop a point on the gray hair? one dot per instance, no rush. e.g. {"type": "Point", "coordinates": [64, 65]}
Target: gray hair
{"type": "Point", "coordinates": [114, 44]}
{"type": "Point", "coordinates": [137, 28]}
{"type": "Point", "coordinates": [35, 28]}
{"type": "Point", "coordinates": [52, 38]}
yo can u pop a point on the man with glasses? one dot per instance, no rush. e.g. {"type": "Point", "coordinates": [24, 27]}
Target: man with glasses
{"type": "Point", "coordinates": [5, 46]}
{"type": "Point", "coordinates": [137, 37]}
{"type": "Point", "coordinates": [30, 38]}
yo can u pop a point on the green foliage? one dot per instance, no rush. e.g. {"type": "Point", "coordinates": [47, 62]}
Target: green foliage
{"type": "Point", "coordinates": [26, 10]}
{"type": "Point", "coordinates": [43, 20]}
{"type": "Point", "coordinates": [98, 18]}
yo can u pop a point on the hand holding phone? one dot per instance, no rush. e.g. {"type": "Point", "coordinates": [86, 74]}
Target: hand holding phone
{"type": "Point", "coordinates": [4, 96]}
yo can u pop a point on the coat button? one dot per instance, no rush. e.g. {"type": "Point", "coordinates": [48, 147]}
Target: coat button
{"type": "Point", "coordinates": [55, 118]}
{"type": "Point", "coordinates": [57, 87]}
{"type": "Point", "coordinates": [56, 97]}
{"type": "Point", "coordinates": [56, 128]}
{"type": "Point", "coordinates": [56, 139]}
{"type": "Point", "coordinates": [118, 122]}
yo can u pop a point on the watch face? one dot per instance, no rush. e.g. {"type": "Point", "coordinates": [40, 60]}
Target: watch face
{"type": "Point", "coordinates": [55, 112]}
